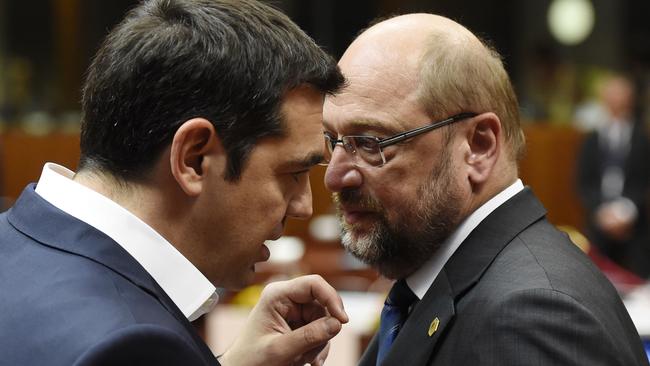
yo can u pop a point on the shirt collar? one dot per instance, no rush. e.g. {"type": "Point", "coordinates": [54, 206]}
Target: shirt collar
{"type": "Point", "coordinates": [185, 285]}
{"type": "Point", "coordinates": [421, 280]}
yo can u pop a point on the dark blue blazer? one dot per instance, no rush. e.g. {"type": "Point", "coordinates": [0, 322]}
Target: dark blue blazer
{"type": "Point", "coordinates": [70, 295]}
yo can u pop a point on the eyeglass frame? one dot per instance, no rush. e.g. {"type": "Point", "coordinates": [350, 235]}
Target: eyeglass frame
{"type": "Point", "coordinates": [392, 140]}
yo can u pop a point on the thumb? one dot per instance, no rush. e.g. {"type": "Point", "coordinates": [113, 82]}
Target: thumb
{"type": "Point", "coordinates": [310, 336]}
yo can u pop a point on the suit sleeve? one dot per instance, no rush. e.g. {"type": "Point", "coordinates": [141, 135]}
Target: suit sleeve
{"type": "Point", "coordinates": [142, 345]}
{"type": "Point", "coordinates": [546, 327]}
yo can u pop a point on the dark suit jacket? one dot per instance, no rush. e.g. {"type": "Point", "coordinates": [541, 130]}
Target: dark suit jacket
{"type": "Point", "coordinates": [517, 292]}
{"type": "Point", "coordinates": [70, 295]}
{"type": "Point", "coordinates": [633, 254]}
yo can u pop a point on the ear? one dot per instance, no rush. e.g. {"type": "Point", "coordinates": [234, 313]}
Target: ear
{"type": "Point", "coordinates": [483, 138]}
{"type": "Point", "coordinates": [194, 143]}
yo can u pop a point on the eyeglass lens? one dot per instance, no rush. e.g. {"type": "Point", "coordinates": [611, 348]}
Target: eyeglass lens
{"type": "Point", "coordinates": [364, 147]}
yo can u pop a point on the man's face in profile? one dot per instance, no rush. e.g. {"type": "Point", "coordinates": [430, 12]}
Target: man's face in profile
{"type": "Point", "coordinates": [395, 216]}
{"type": "Point", "coordinates": [274, 186]}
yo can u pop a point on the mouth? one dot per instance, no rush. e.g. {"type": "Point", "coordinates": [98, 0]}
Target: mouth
{"type": "Point", "coordinates": [354, 216]}
{"type": "Point", "coordinates": [355, 208]}
{"type": "Point", "coordinates": [264, 254]}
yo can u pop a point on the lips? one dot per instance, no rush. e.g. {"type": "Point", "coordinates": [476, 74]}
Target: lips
{"type": "Point", "coordinates": [264, 254]}
{"type": "Point", "coordinates": [355, 207]}
{"type": "Point", "coordinates": [354, 216]}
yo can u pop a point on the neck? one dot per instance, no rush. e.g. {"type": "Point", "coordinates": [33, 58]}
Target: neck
{"type": "Point", "coordinates": [151, 203]}
{"type": "Point", "coordinates": [125, 193]}
{"type": "Point", "coordinates": [503, 176]}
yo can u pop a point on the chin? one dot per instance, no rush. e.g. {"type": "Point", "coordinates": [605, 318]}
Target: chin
{"type": "Point", "coordinates": [236, 281]}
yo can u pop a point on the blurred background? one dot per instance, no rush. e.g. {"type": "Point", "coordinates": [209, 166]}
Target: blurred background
{"type": "Point", "coordinates": [559, 54]}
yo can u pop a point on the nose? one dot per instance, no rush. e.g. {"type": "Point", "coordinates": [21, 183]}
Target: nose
{"type": "Point", "coordinates": [300, 206]}
{"type": "Point", "coordinates": [341, 172]}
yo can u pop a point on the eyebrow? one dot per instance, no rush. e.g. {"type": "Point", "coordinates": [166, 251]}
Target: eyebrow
{"type": "Point", "coordinates": [308, 161]}
{"type": "Point", "coordinates": [367, 124]}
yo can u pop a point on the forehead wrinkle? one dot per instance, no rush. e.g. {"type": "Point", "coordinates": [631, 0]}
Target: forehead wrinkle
{"type": "Point", "coordinates": [377, 109]}
{"type": "Point", "coordinates": [387, 79]}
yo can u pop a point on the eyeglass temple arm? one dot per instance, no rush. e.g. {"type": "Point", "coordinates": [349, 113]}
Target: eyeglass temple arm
{"type": "Point", "coordinates": [408, 134]}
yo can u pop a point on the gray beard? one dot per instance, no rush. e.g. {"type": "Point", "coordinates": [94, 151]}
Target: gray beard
{"type": "Point", "coordinates": [398, 249]}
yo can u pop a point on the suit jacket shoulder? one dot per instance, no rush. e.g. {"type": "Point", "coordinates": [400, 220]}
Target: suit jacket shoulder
{"type": "Point", "coordinates": [518, 292]}
{"type": "Point", "coordinates": [68, 289]}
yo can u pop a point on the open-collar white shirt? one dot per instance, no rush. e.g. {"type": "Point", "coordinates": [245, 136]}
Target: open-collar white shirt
{"type": "Point", "coordinates": [185, 285]}
{"type": "Point", "coordinates": [420, 281]}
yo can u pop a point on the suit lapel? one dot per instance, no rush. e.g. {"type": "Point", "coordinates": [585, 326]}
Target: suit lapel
{"type": "Point", "coordinates": [43, 222]}
{"type": "Point", "coordinates": [486, 241]}
{"type": "Point", "coordinates": [425, 325]}
{"type": "Point", "coordinates": [38, 219]}
{"type": "Point", "coordinates": [414, 345]}
{"type": "Point", "coordinates": [369, 357]}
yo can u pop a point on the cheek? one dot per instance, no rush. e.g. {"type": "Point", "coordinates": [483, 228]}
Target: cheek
{"type": "Point", "coordinates": [396, 200]}
{"type": "Point", "coordinates": [270, 202]}
{"type": "Point", "coordinates": [394, 187]}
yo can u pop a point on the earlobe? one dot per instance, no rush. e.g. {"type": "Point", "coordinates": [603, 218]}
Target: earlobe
{"type": "Point", "coordinates": [193, 146]}
{"type": "Point", "coordinates": [484, 146]}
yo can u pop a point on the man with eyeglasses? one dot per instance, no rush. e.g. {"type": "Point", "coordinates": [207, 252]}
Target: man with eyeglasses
{"type": "Point", "coordinates": [422, 148]}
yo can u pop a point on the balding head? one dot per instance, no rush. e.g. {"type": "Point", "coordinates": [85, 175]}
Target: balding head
{"type": "Point", "coordinates": [408, 35]}
{"type": "Point", "coordinates": [403, 185]}
{"type": "Point", "coordinates": [441, 65]}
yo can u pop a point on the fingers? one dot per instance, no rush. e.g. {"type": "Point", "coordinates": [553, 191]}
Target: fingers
{"type": "Point", "coordinates": [315, 357]}
{"type": "Point", "coordinates": [305, 313]}
{"type": "Point", "coordinates": [319, 360]}
{"type": "Point", "coordinates": [310, 337]}
{"type": "Point", "coordinates": [313, 287]}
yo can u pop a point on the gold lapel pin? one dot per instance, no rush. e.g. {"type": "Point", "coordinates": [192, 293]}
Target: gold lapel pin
{"type": "Point", "coordinates": [434, 326]}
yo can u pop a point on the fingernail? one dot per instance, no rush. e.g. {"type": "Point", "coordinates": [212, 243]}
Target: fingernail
{"type": "Point", "coordinates": [346, 318]}
{"type": "Point", "coordinates": [333, 325]}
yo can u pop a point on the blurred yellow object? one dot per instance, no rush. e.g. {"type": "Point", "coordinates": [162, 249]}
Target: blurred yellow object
{"type": "Point", "coordinates": [248, 297]}
{"type": "Point", "coordinates": [576, 237]}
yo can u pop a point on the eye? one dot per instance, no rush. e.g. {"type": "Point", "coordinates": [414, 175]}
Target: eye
{"type": "Point", "coordinates": [366, 144]}
{"type": "Point", "coordinates": [330, 140]}
{"type": "Point", "coordinates": [299, 174]}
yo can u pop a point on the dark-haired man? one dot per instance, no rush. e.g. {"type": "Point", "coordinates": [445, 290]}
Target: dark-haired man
{"type": "Point", "coordinates": [201, 121]}
{"type": "Point", "coordinates": [424, 143]}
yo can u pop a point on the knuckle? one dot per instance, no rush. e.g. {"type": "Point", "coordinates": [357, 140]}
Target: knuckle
{"type": "Point", "coordinates": [310, 335]}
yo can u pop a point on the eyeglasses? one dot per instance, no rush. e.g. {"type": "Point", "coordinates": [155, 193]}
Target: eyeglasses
{"type": "Point", "coordinates": [370, 148]}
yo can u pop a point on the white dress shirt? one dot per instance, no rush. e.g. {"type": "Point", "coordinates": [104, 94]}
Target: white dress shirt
{"type": "Point", "coordinates": [192, 293]}
{"type": "Point", "coordinates": [420, 281]}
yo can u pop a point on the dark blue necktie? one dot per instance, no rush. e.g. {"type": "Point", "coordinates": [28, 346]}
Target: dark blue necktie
{"type": "Point", "coordinates": [393, 316]}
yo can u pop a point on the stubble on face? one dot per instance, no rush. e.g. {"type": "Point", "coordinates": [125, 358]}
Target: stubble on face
{"type": "Point", "coordinates": [398, 247]}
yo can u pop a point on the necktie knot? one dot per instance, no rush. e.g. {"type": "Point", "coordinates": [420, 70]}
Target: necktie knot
{"type": "Point", "coordinates": [400, 296]}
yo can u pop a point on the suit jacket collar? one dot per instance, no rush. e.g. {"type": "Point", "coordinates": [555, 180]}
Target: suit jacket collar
{"type": "Point", "coordinates": [482, 246]}
{"type": "Point", "coordinates": [415, 342]}
{"type": "Point", "coordinates": [415, 335]}
{"type": "Point", "coordinates": [44, 223]}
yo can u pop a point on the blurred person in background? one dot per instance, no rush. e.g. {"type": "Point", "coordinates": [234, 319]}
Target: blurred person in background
{"type": "Point", "coordinates": [202, 119]}
{"type": "Point", "coordinates": [613, 180]}
{"type": "Point", "coordinates": [424, 142]}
